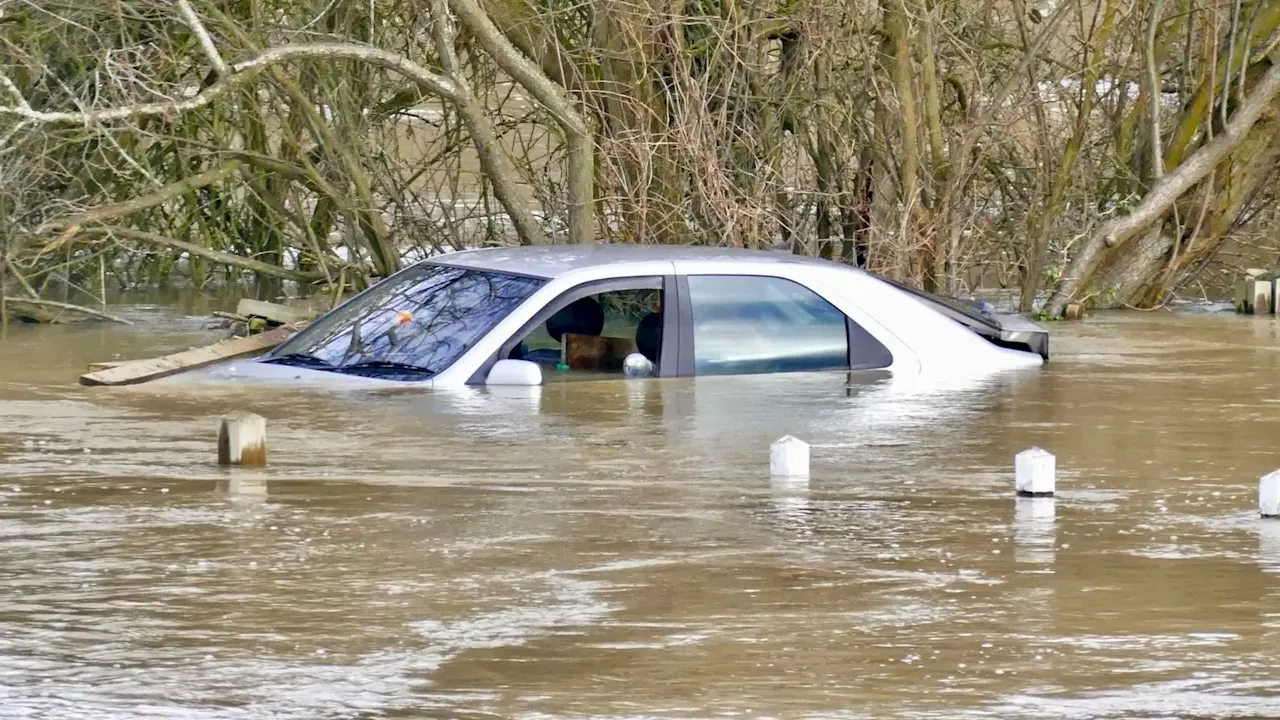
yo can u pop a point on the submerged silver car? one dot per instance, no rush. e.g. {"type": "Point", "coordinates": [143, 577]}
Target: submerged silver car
{"type": "Point", "coordinates": [525, 315]}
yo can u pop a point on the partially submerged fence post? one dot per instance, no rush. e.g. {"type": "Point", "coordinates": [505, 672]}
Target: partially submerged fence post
{"type": "Point", "coordinates": [1269, 495]}
{"type": "Point", "coordinates": [242, 439]}
{"type": "Point", "coordinates": [1034, 473]}
{"type": "Point", "coordinates": [1255, 293]}
{"type": "Point", "coordinates": [789, 457]}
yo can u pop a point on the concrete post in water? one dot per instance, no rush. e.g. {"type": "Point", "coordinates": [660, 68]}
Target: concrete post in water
{"type": "Point", "coordinates": [789, 457]}
{"type": "Point", "coordinates": [1269, 495]}
{"type": "Point", "coordinates": [1034, 473]}
{"type": "Point", "coordinates": [1255, 293]}
{"type": "Point", "coordinates": [1261, 297]}
{"type": "Point", "coordinates": [242, 439]}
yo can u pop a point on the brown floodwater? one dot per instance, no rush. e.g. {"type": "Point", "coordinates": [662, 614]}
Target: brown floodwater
{"type": "Point", "coordinates": [616, 549]}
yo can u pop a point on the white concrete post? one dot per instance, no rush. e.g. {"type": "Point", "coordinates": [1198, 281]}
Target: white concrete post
{"type": "Point", "coordinates": [1254, 296]}
{"type": "Point", "coordinates": [1269, 494]}
{"type": "Point", "coordinates": [1034, 473]}
{"type": "Point", "coordinates": [242, 439]}
{"type": "Point", "coordinates": [1261, 302]}
{"type": "Point", "coordinates": [789, 457]}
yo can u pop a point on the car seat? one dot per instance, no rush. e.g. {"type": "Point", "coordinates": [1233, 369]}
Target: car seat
{"type": "Point", "coordinates": [649, 336]}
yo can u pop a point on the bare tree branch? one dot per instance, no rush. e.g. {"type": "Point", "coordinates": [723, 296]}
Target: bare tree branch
{"type": "Point", "coordinates": [18, 302]}
{"type": "Point", "coordinates": [553, 97]}
{"type": "Point", "coordinates": [13, 90]}
{"type": "Point", "coordinates": [242, 72]}
{"type": "Point", "coordinates": [206, 42]}
{"type": "Point", "coordinates": [1153, 81]}
{"type": "Point", "coordinates": [74, 224]}
{"type": "Point", "coordinates": [207, 253]}
{"type": "Point", "coordinates": [492, 159]}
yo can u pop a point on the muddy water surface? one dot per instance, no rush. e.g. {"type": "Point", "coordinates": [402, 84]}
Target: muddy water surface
{"type": "Point", "coordinates": [615, 549]}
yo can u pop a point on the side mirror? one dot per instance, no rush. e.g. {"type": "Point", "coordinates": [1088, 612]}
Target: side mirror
{"type": "Point", "coordinates": [514, 372]}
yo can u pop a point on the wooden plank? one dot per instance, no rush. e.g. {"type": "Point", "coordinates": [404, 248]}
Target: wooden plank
{"type": "Point", "coordinates": [138, 371]}
{"type": "Point", "coordinates": [282, 314]}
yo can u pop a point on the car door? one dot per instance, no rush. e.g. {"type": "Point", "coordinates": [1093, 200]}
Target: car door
{"type": "Point", "coordinates": [747, 322]}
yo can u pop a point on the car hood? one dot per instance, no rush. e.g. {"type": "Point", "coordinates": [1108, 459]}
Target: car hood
{"type": "Point", "coordinates": [253, 370]}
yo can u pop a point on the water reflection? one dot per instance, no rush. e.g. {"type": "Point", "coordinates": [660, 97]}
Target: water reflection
{"type": "Point", "coordinates": [792, 505]}
{"type": "Point", "coordinates": [1034, 529]}
{"type": "Point", "coordinates": [243, 489]}
{"type": "Point", "coordinates": [1269, 545]}
{"type": "Point", "coordinates": [1269, 562]}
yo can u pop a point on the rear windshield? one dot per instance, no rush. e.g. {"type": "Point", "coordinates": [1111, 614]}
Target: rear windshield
{"type": "Point", "coordinates": [416, 322]}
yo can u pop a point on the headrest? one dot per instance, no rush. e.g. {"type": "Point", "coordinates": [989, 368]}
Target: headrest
{"type": "Point", "coordinates": [581, 317]}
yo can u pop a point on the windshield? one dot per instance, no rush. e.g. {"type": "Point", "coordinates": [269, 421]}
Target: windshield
{"type": "Point", "coordinates": [410, 326]}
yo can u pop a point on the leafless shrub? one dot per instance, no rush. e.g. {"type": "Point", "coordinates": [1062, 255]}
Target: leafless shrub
{"type": "Point", "coordinates": [948, 144]}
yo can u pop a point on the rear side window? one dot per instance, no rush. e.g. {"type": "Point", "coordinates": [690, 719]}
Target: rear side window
{"type": "Point", "coordinates": [748, 324]}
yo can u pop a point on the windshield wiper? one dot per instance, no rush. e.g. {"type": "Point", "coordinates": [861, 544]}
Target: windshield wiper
{"type": "Point", "coordinates": [301, 360]}
{"type": "Point", "coordinates": [386, 365]}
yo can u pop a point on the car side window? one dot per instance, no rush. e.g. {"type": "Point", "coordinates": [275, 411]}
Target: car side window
{"type": "Point", "coordinates": [594, 335]}
{"type": "Point", "coordinates": [749, 324]}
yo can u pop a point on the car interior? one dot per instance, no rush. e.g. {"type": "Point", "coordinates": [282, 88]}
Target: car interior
{"type": "Point", "coordinates": [594, 335]}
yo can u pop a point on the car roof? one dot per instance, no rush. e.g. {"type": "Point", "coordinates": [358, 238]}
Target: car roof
{"type": "Point", "coordinates": [551, 261]}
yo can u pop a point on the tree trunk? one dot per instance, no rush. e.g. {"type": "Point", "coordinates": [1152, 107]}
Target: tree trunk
{"type": "Point", "coordinates": [581, 160]}
{"type": "Point", "coordinates": [1164, 194]}
{"type": "Point", "coordinates": [1141, 260]}
{"type": "Point", "coordinates": [903, 84]}
{"type": "Point", "coordinates": [1051, 209]}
